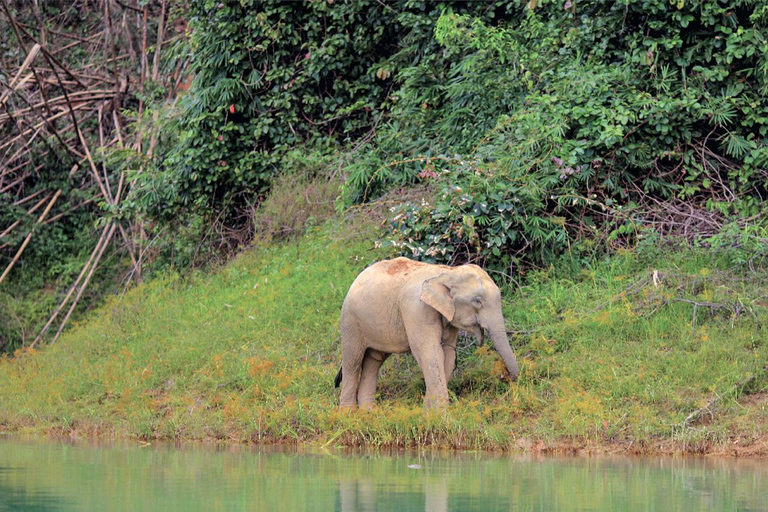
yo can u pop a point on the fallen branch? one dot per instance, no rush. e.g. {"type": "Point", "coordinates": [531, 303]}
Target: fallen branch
{"type": "Point", "coordinates": [713, 402]}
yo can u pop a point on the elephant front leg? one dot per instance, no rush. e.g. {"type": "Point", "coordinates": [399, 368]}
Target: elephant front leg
{"type": "Point", "coordinates": [366, 391]}
{"type": "Point", "coordinates": [433, 366]}
{"type": "Point", "coordinates": [429, 355]}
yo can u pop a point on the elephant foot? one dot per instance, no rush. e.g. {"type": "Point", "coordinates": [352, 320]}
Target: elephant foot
{"type": "Point", "coordinates": [435, 402]}
{"type": "Point", "coordinates": [368, 406]}
{"type": "Point", "coordinates": [347, 408]}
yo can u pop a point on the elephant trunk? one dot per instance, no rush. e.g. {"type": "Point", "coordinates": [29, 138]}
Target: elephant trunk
{"type": "Point", "coordinates": [501, 343]}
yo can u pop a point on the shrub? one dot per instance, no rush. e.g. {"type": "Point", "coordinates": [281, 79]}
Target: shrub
{"type": "Point", "coordinates": [273, 76]}
{"type": "Point", "coordinates": [568, 113]}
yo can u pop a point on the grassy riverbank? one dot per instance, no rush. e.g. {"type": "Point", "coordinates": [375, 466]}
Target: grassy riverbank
{"type": "Point", "coordinates": [640, 353]}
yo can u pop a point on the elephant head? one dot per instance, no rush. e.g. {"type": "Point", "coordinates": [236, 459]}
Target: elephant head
{"type": "Point", "coordinates": [470, 301]}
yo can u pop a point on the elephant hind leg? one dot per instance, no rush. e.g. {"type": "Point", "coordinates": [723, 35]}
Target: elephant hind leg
{"type": "Point", "coordinates": [352, 353]}
{"type": "Point", "coordinates": [372, 362]}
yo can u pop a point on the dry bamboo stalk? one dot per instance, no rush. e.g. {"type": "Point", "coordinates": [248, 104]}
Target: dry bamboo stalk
{"type": "Point", "coordinates": [143, 76]}
{"type": "Point", "coordinates": [24, 81]}
{"type": "Point", "coordinates": [13, 183]}
{"type": "Point", "coordinates": [39, 21]}
{"type": "Point", "coordinates": [108, 61]}
{"type": "Point", "coordinates": [22, 151]}
{"type": "Point", "coordinates": [128, 245]}
{"type": "Point", "coordinates": [67, 47]}
{"type": "Point", "coordinates": [128, 38]}
{"type": "Point", "coordinates": [29, 236]}
{"type": "Point", "coordinates": [118, 127]}
{"type": "Point", "coordinates": [62, 34]}
{"type": "Point", "coordinates": [98, 78]}
{"type": "Point", "coordinates": [18, 30]}
{"type": "Point", "coordinates": [75, 97]}
{"type": "Point", "coordinates": [79, 133]}
{"type": "Point", "coordinates": [156, 71]}
{"type": "Point", "coordinates": [67, 212]}
{"type": "Point", "coordinates": [101, 148]}
{"type": "Point", "coordinates": [73, 287]}
{"type": "Point", "coordinates": [37, 77]}
{"type": "Point", "coordinates": [85, 282]}
{"type": "Point", "coordinates": [92, 165]}
{"type": "Point", "coordinates": [28, 198]}
{"type": "Point", "coordinates": [48, 55]}
{"type": "Point", "coordinates": [46, 120]}
{"type": "Point", "coordinates": [32, 210]}
{"type": "Point", "coordinates": [30, 57]}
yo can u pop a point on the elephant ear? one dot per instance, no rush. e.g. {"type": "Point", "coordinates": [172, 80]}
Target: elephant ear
{"type": "Point", "coordinates": [435, 293]}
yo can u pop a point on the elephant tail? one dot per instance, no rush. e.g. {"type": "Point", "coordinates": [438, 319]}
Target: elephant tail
{"type": "Point", "coordinates": [337, 380]}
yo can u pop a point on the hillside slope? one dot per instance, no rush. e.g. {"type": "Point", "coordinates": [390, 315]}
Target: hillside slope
{"type": "Point", "coordinates": [641, 353]}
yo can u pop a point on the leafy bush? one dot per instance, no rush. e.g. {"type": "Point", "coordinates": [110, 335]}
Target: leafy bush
{"type": "Point", "coordinates": [568, 112]}
{"type": "Point", "coordinates": [268, 76]}
{"type": "Point", "coordinates": [273, 76]}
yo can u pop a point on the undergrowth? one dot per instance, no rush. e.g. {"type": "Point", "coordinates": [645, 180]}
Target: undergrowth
{"type": "Point", "coordinates": [626, 351]}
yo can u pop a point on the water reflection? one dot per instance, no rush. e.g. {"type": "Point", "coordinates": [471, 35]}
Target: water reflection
{"type": "Point", "coordinates": [364, 495]}
{"type": "Point", "coordinates": [126, 477]}
{"type": "Point", "coordinates": [21, 499]}
{"type": "Point", "coordinates": [473, 482]}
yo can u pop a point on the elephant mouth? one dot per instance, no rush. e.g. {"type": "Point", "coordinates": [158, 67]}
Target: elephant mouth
{"type": "Point", "coordinates": [479, 334]}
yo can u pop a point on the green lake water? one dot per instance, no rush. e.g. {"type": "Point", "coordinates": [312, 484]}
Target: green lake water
{"type": "Point", "coordinates": [56, 476]}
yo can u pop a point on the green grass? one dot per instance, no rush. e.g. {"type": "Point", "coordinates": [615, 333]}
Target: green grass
{"type": "Point", "coordinates": [249, 352]}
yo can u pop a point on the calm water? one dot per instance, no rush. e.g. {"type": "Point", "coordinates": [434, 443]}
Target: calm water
{"type": "Point", "coordinates": [42, 476]}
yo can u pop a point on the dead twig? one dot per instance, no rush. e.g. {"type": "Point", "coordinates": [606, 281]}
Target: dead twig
{"type": "Point", "coordinates": [709, 409]}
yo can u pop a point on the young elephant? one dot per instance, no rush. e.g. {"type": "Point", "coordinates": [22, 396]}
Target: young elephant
{"type": "Point", "coordinates": [401, 305]}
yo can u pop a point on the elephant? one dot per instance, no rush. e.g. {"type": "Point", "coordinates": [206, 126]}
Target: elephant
{"type": "Point", "coordinates": [402, 305]}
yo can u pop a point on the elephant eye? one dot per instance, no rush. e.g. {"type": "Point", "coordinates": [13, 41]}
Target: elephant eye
{"type": "Point", "coordinates": [477, 302]}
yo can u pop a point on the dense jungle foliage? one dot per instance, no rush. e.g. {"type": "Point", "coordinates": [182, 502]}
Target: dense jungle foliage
{"type": "Point", "coordinates": [543, 127]}
{"type": "Point", "coordinates": [544, 130]}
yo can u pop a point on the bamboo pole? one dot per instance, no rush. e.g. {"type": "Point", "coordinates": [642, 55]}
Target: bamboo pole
{"type": "Point", "coordinates": [28, 198]}
{"type": "Point", "coordinates": [47, 54]}
{"type": "Point", "coordinates": [27, 62]}
{"type": "Point", "coordinates": [75, 97]}
{"type": "Point", "coordinates": [46, 120]}
{"type": "Point", "coordinates": [79, 133]}
{"type": "Point", "coordinates": [70, 210]}
{"type": "Point", "coordinates": [85, 283]}
{"type": "Point", "coordinates": [32, 210]}
{"type": "Point", "coordinates": [72, 288]}
{"type": "Point", "coordinates": [18, 30]}
{"type": "Point", "coordinates": [29, 236]}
